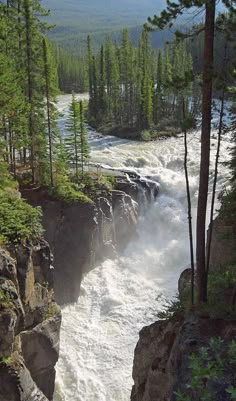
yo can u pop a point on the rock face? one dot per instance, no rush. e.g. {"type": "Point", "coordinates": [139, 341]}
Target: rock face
{"type": "Point", "coordinates": [161, 360]}
{"type": "Point", "coordinates": [223, 246]}
{"type": "Point", "coordinates": [29, 324]}
{"type": "Point", "coordinates": [82, 235]}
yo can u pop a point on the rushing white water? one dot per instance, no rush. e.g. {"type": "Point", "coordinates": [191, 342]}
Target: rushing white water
{"type": "Point", "coordinates": [119, 297]}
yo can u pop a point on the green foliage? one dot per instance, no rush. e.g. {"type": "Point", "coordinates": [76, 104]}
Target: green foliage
{"type": "Point", "coordinates": [19, 222]}
{"type": "Point", "coordinates": [92, 184]}
{"type": "Point", "coordinates": [76, 141]}
{"type": "Point", "coordinates": [53, 309]}
{"type": "Point", "coordinates": [107, 181]}
{"type": "Point", "coordinates": [172, 309]}
{"type": "Point", "coordinates": [68, 191]}
{"type": "Point", "coordinates": [7, 360]}
{"type": "Point", "coordinates": [136, 88]}
{"type": "Point", "coordinates": [220, 288]}
{"type": "Point", "coordinates": [232, 391]}
{"type": "Point", "coordinates": [146, 136]}
{"type": "Point", "coordinates": [5, 299]}
{"type": "Point", "coordinates": [207, 367]}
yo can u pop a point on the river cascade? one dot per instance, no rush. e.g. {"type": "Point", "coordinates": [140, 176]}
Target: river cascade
{"type": "Point", "coordinates": [121, 295]}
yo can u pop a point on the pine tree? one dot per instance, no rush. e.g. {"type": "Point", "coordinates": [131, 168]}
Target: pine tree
{"type": "Point", "coordinates": [166, 17]}
{"type": "Point", "coordinates": [84, 145]}
{"type": "Point", "coordinates": [76, 140]}
{"type": "Point", "coordinates": [158, 90]}
{"type": "Point", "coordinates": [32, 49]}
{"type": "Point", "coordinates": [50, 78]}
{"type": "Point", "coordinates": [112, 81]}
{"type": "Point", "coordinates": [103, 105]}
{"type": "Point", "coordinates": [146, 83]}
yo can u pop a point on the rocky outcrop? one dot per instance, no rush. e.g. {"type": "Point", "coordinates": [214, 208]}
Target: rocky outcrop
{"type": "Point", "coordinates": [161, 360]}
{"type": "Point", "coordinates": [83, 234]}
{"type": "Point", "coordinates": [29, 324]}
{"type": "Point", "coordinates": [125, 218]}
{"type": "Point", "coordinates": [223, 245]}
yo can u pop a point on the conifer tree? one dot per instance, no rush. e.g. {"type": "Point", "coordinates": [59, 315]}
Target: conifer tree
{"type": "Point", "coordinates": [167, 16]}
{"type": "Point", "coordinates": [84, 145]}
{"type": "Point", "coordinates": [158, 90]}
{"type": "Point", "coordinates": [146, 83]}
{"type": "Point", "coordinates": [32, 49]}
{"type": "Point", "coordinates": [50, 78]}
{"type": "Point", "coordinates": [76, 140]}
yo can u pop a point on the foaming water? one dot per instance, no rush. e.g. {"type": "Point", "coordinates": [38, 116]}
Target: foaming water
{"type": "Point", "coordinates": [119, 297]}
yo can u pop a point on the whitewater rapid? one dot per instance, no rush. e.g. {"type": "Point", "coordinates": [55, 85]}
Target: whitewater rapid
{"type": "Point", "coordinates": [120, 296]}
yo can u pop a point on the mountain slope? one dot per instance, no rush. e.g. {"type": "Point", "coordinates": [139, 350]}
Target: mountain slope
{"type": "Point", "coordinates": [100, 15]}
{"type": "Point", "coordinates": [74, 19]}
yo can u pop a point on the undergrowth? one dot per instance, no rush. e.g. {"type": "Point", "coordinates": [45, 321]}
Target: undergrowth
{"type": "Point", "coordinates": [209, 368]}
{"type": "Point", "coordinates": [19, 222]}
{"type": "Point", "coordinates": [221, 285]}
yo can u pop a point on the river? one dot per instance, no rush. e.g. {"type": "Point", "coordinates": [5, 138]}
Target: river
{"type": "Point", "coordinates": [120, 296]}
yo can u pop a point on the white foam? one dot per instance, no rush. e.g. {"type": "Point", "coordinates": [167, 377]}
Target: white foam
{"type": "Point", "coordinates": [119, 297]}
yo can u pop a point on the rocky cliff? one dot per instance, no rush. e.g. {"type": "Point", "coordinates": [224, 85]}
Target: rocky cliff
{"type": "Point", "coordinates": [223, 246]}
{"type": "Point", "coordinates": [29, 324]}
{"type": "Point", "coordinates": [161, 361]}
{"type": "Point", "coordinates": [82, 234]}
{"type": "Point", "coordinates": [161, 368]}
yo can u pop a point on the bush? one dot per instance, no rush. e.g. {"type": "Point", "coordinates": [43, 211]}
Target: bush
{"type": "Point", "coordinates": [91, 184]}
{"type": "Point", "coordinates": [108, 181]}
{"type": "Point", "coordinates": [68, 191]}
{"type": "Point", "coordinates": [172, 309]}
{"type": "Point", "coordinates": [208, 367]}
{"type": "Point", "coordinates": [19, 222]}
{"type": "Point", "coordinates": [5, 299]}
{"type": "Point", "coordinates": [146, 136]}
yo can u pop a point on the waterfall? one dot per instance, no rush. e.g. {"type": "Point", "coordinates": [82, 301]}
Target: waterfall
{"type": "Point", "coordinates": [120, 296]}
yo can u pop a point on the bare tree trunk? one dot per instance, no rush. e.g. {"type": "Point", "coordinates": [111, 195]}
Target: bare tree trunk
{"type": "Point", "coordinates": [215, 182]}
{"type": "Point", "coordinates": [189, 206]}
{"type": "Point", "coordinates": [205, 149]}
{"type": "Point", "coordinates": [6, 137]}
{"type": "Point", "coordinates": [82, 137]}
{"type": "Point", "coordinates": [47, 84]}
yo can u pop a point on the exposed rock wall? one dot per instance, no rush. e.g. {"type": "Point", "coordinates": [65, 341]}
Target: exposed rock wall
{"type": "Point", "coordinates": [81, 235]}
{"type": "Point", "coordinates": [29, 324]}
{"type": "Point", "coordinates": [223, 246]}
{"type": "Point", "coordinates": [161, 359]}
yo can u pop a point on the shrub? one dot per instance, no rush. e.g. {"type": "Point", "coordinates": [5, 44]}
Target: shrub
{"type": "Point", "coordinates": [5, 299]}
{"type": "Point", "coordinates": [146, 136]}
{"type": "Point", "coordinates": [208, 367]}
{"type": "Point", "coordinates": [172, 309]}
{"type": "Point", "coordinates": [19, 222]}
{"type": "Point", "coordinates": [68, 191]}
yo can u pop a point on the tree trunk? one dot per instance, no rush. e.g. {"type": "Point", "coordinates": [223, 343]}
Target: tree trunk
{"type": "Point", "coordinates": [205, 149]}
{"type": "Point", "coordinates": [82, 137]}
{"type": "Point", "coordinates": [215, 181]}
{"type": "Point", "coordinates": [189, 205]}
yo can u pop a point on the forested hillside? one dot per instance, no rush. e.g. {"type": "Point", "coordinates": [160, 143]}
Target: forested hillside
{"type": "Point", "coordinates": [101, 15]}
{"type": "Point", "coordinates": [75, 19]}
